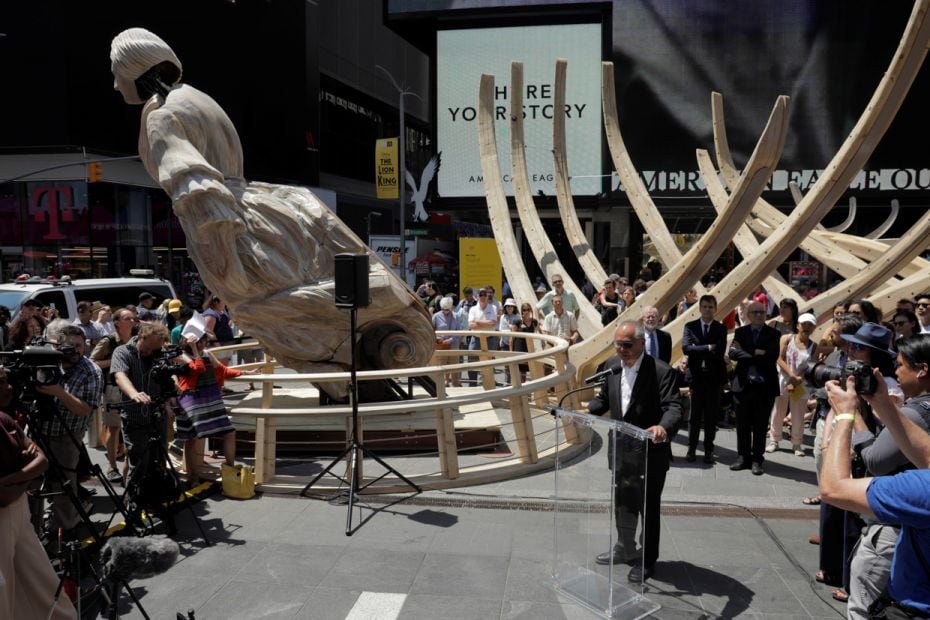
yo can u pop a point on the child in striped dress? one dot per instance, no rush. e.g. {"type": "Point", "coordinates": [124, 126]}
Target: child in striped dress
{"type": "Point", "coordinates": [203, 413]}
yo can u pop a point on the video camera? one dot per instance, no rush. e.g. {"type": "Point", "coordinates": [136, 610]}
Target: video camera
{"type": "Point", "coordinates": [818, 375]}
{"type": "Point", "coordinates": [37, 364]}
{"type": "Point", "coordinates": [163, 370]}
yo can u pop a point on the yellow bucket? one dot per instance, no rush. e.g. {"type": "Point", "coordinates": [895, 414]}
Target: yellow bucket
{"type": "Point", "coordinates": [238, 481]}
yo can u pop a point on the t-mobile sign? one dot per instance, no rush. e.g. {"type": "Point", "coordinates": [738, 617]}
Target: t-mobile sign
{"type": "Point", "coordinates": [463, 55]}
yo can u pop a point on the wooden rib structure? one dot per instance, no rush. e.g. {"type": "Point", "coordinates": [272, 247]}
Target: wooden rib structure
{"type": "Point", "coordinates": [673, 284]}
{"type": "Point", "coordinates": [589, 319]}
{"type": "Point", "coordinates": [782, 233]}
{"type": "Point", "coordinates": [888, 271]}
{"type": "Point", "coordinates": [498, 210]}
{"type": "Point", "coordinates": [591, 266]}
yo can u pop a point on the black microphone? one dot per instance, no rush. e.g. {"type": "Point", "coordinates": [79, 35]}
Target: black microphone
{"type": "Point", "coordinates": [602, 376]}
{"type": "Point", "coordinates": [138, 558]}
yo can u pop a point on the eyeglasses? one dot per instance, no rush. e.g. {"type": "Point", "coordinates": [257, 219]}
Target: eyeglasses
{"type": "Point", "coordinates": [901, 323]}
{"type": "Point", "coordinates": [482, 294]}
{"type": "Point", "coordinates": [556, 282]}
{"type": "Point", "coordinates": [923, 305]}
{"type": "Point", "coordinates": [857, 346]}
{"type": "Point", "coordinates": [757, 312]}
{"type": "Point", "coordinates": [624, 344]}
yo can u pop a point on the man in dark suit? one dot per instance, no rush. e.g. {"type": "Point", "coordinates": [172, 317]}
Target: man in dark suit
{"type": "Point", "coordinates": [643, 391]}
{"type": "Point", "coordinates": [755, 349]}
{"type": "Point", "coordinates": [704, 342]}
{"type": "Point", "coordinates": [658, 342]}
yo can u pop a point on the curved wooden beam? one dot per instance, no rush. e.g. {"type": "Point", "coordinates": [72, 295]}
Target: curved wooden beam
{"type": "Point", "coordinates": [879, 232]}
{"type": "Point", "coordinates": [633, 185]}
{"type": "Point", "coordinates": [877, 272]}
{"type": "Point", "coordinates": [498, 211]}
{"type": "Point", "coordinates": [908, 288]}
{"type": "Point", "coordinates": [673, 284]}
{"type": "Point", "coordinates": [839, 260]}
{"type": "Point", "coordinates": [744, 240]}
{"type": "Point", "coordinates": [849, 218]}
{"type": "Point", "coordinates": [589, 319]}
{"type": "Point", "coordinates": [592, 267]}
{"type": "Point", "coordinates": [865, 249]}
{"type": "Point", "coordinates": [796, 194]}
{"type": "Point", "coordinates": [870, 249]}
{"type": "Point", "coordinates": [838, 174]}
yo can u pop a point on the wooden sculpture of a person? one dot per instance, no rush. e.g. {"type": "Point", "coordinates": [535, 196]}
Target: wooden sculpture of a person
{"type": "Point", "coordinates": [266, 250]}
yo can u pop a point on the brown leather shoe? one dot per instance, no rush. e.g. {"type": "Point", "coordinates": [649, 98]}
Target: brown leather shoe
{"type": "Point", "coordinates": [814, 540]}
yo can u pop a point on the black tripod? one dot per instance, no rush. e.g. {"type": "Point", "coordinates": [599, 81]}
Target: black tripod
{"type": "Point", "coordinates": [355, 444]}
{"type": "Point", "coordinates": [154, 487]}
{"type": "Point", "coordinates": [35, 410]}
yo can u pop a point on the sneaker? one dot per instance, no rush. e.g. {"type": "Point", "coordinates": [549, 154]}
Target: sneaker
{"type": "Point", "coordinates": [114, 476]}
{"type": "Point", "coordinates": [798, 450]}
{"type": "Point", "coordinates": [771, 447]}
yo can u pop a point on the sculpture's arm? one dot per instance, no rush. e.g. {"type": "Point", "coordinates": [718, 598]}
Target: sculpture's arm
{"type": "Point", "coordinates": [201, 200]}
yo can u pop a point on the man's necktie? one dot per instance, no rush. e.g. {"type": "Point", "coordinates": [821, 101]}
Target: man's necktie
{"type": "Point", "coordinates": [755, 336]}
{"type": "Point", "coordinates": [706, 330]}
{"type": "Point", "coordinates": [653, 345]}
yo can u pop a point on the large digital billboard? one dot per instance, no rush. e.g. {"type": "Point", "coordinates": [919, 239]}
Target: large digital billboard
{"type": "Point", "coordinates": [463, 55]}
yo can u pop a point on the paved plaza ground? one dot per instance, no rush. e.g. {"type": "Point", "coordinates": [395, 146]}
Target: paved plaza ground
{"type": "Point", "coordinates": [733, 546]}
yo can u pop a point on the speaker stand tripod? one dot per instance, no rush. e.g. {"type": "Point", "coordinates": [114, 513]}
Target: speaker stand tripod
{"type": "Point", "coordinates": [355, 445]}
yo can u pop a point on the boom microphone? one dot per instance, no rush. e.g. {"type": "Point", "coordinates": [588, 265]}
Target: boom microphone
{"type": "Point", "coordinates": [602, 376]}
{"type": "Point", "coordinates": [138, 558]}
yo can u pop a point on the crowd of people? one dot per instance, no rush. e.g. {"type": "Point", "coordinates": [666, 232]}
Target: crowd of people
{"type": "Point", "coordinates": [785, 380]}
{"type": "Point", "coordinates": [106, 361]}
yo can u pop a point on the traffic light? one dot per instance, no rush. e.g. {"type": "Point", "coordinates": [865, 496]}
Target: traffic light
{"type": "Point", "coordinates": [94, 172]}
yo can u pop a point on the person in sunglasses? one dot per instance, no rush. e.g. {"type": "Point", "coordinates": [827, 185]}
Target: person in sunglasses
{"type": "Point", "coordinates": [642, 391]}
{"type": "Point", "coordinates": [755, 349]}
{"type": "Point", "coordinates": [922, 308]}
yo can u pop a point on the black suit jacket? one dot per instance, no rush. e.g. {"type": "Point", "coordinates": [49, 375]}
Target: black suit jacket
{"type": "Point", "coordinates": [655, 400]}
{"type": "Point", "coordinates": [706, 367]}
{"type": "Point", "coordinates": [665, 345]}
{"type": "Point", "coordinates": [742, 350]}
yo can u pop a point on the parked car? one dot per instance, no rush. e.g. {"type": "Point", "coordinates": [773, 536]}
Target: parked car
{"type": "Point", "coordinates": [64, 294]}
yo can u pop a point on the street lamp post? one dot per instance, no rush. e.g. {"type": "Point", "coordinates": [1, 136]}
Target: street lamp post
{"type": "Point", "coordinates": [401, 92]}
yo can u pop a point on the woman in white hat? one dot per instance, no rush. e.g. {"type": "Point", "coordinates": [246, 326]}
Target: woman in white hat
{"type": "Point", "coordinates": [793, 359]}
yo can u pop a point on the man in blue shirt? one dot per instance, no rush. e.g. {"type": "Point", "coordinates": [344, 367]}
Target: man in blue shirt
{"type": "Point", "coordinates": [902, 499]}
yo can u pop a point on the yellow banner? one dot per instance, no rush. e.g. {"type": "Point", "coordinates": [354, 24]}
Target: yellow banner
{"type": "Point", "coordinates": [386, 168]}
{"type": "Point", "coordinates": [479, 264]}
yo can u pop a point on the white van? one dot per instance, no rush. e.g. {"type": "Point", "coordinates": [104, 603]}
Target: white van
{"type": "Point", "coordinates": [64, 294]}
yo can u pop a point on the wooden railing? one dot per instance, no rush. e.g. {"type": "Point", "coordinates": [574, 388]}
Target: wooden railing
{"type": "Point", "coordinates": [552, 376]}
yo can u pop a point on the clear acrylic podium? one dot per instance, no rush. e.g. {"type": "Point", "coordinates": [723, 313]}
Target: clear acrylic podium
{"type": "Point", "coordinates": [588, 505]}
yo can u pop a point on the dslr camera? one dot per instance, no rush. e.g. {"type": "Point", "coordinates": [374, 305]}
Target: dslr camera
{"type": "Point", "coordinates": [818, 375]}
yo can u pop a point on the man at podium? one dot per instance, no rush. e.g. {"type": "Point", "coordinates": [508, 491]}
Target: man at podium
{"type": "Point", "coordinates": [642, 391]}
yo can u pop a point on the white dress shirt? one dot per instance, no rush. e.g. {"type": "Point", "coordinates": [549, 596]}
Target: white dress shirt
{"type": "Point", "coordinates": [627, 380]}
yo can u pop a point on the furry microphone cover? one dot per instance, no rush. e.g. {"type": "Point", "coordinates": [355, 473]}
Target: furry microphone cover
{"type": "Point", "coordinates": [138, 558]}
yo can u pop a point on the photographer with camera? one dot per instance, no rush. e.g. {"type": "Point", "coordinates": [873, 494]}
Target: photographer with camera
{"type": "Point", "coordinates": [867, 348]}
{"type": "Point", "coordinates": [902, 588]}
{"type": "Point", "coordinates": [880, 455]}
{"type": "Point", "coordinates": [75, 396]}
{"type": "Point", "coordinates": [132, 368]}
{"type": "Point", "coordinates": [27, 580]}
